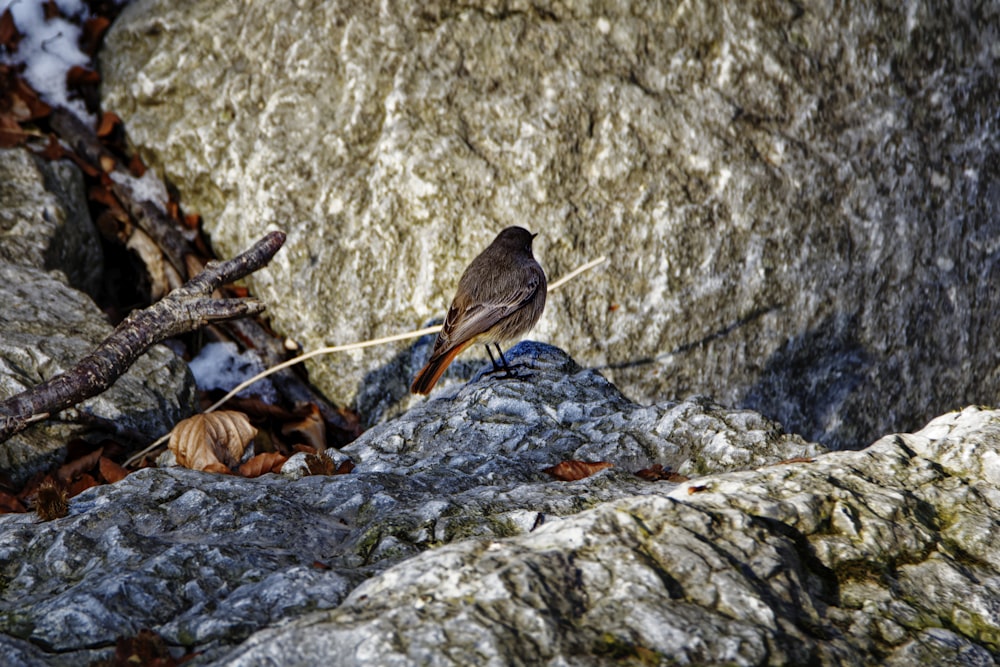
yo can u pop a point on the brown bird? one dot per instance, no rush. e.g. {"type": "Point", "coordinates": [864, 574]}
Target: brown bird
{"type": "Point", "coordinates": [499, 299]}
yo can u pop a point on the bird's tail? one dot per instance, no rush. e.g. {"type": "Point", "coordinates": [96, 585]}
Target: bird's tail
{"type": "Point", "coordinates": [429, 374]}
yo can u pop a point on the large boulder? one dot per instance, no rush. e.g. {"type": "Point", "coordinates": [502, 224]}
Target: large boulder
{"type": "Point", "coordinates": [50, 266]}
{"type": "Point", "coordinates": [448, 544]}
{"type": "Point", "coordinates": [799, 201]}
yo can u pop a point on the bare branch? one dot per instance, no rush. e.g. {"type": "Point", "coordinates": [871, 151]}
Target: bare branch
{"type": "Point", "coordinates": [187, 308]}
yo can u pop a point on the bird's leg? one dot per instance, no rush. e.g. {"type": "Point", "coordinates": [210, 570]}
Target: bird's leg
{"type": "Point", "coordinates": [503, 360]}
{"type": "Point", "coordinates": [496, 366]}
{"type": "Point", "coordinates": [502, 365]}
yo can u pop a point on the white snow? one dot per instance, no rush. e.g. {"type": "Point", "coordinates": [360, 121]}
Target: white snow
{"type": "Point", "coordinates": [221, 366]}
{"type": "Point", "coordinates": [48, 49]}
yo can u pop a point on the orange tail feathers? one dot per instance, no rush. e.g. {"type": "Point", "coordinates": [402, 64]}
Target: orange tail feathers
{"type": "Point", "coordinates": [429, 374]}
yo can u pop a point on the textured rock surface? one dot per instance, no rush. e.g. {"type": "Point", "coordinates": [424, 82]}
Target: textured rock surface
{"type": "Point", "coordinates": [435, 552]}
{"type": "Point", "coordinates": [801, 201]}
{"type": "Point", "coordinates": [854, 559]}
{"type": "Point", "coordinates": [44, 221]}
{"type": "Point", "coordinates": [206, 559]}
{"type": "Point", "coordinates": [46, 326]}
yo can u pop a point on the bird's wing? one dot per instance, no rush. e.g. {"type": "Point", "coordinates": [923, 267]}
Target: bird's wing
{"type": "Point", "coordinates": [468, 320]}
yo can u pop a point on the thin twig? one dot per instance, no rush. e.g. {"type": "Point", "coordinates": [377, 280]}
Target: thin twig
{"type": "Point", "coordinates": [185, 309]}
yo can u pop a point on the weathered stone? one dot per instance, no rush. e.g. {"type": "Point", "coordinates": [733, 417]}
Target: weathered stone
{"type": "Point", "coordinates": [44, 221]}
{"type": "Point", "coordinates": [448, 545]}
{"type": "Point", "coordinates": [849, 560]}
{"type": "Point", "coordinates": [46, 326]}
{"type": "Point", "coordinates": [800, 201]}
{"type": "Point", "coordinates": [208, 559]}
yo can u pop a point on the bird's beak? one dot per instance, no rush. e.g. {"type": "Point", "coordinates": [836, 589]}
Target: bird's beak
{"type": "Point", "coordinates": [534, 235]}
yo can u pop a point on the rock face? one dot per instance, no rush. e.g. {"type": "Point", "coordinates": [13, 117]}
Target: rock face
{"type": "Point", "coordinates": [448, 545]}
{"type": "Point", "coordinates": [49, 251]}
{"type": "Point", "coordinates": [800, 201]}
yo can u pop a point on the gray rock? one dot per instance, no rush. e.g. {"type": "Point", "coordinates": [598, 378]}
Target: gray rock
{"type": "Point", "coordinates": [853, 559]}
{"type": "Point", "coordinates": [206, 559]}
{"type": "Point", "coordinates": [46, 326]}
{"type": "Point", "coordinates": [800, 201]}
{"type": "Point", "coordinates": [44, 221]}
{"type": "Point", "coordinates": [448, 545]}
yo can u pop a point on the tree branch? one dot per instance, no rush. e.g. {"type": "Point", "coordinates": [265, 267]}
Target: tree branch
{"type": "Point", "coordinates": [187, 308]}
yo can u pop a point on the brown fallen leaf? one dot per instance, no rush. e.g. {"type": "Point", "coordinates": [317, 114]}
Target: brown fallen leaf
{"type": "Point", "coordinates": [109, 121]}
{"type": "Point", "coordinates": [657, 473]}
{"type": "Point", "coordinates": [262, 464]}
{"type": "Point", "coordinates": [310, 427]}
{"type": "Point", "coordinates": [208, 442]}
{"type": "Point", "coordinates": [9, 35]}
{"type": "Point", "coordinates": [693, 489]}
{"type": "Point", "coordinates": [77, 467]}
{"type": "Point", "coordinates": [93, 31]}
{"type": "Point", "coordinates": [111, 471]}
{"type": "Point", "coordinates": [571, 471]}
{"type": "Point", "coordinates": [9, 504]}
{"type": "Point", "coordinates": [79, 75]}
{"type": "Point", "coordinates": [146, 648]}
{"type": "Point", "coordinates": [81, 484]}
{"type": "Point", "coordinates": [796, 459]}
{"type": "Point", "coordinates": [50, 10]}
{"type": "Point", "coordinates": [345, 467]}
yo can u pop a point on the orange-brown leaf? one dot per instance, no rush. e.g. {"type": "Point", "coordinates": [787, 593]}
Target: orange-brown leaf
{"type": "Point", "coordinates": [796, 459]}
{"type": "Point", "coordinates": [9, 36]}
{"type": "Point", "coordinates": [11, 133]}
{"type": "Point", "coordinates": [262, 464]}
{"type": "Point", "coordinates": [10, 504]}
{"type": "Point", "coordinates": [571, 471]}
{"type": "Point", "coordinates": [311, 428]}
{"type": "Point", "coordinates": [93, 31]}
{"type": "Point", "coordinates": [111, 471]}
{"type": "Point", "coordinates": [53, 149]}
{"type": "Point", "coordinates": [79, 75]}
{"type": "Point", "coordinates": [657, 472]}
{"type": "Point", "coordinates": [208, 442]}
{"type": "Point", "coordinates": [50, 10]}
{"type": "Point", "coordinates": [136, 166]}
{"type": "Point", "coordinates": [81, 484]}
{"type": "Point", "coordinates": [77, 467]}
{"type": "Point", "coordinates": [345, 467]}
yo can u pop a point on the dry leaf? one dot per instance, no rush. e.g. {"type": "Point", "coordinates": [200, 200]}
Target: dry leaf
{"type": "Point", "coordinates": [79, 75]}
{"type": "Point", "coordinates": [693, 489]}
{"type": "Point", "coordinates": [136, 166]}
{"type": "Point", "coordinates": [346, 466]}
{"type": "Point", "coordinates": [152, 258]}
{"type": "Point", "coordinates": [796, 459]}
{"type": "Point", "coordinates": [10, 504]}
{"type": "Point", "coordinates": [571, 471]}
{"type": "Point", "coordinates": [75, 468]}
{"type": "Point", "coordinates": [81, 484]}
{"type": "Point", "coordinates": [93, 31]}
{"type": "Point", "coordinates": [311, 428]}
{"type": "Point", "coordinates": [111, 471]}
{"type": "Point", "coordinates": [262, 464]}
{"type": "Point", "coordinates": [50, 10]}
{"type": "Point", "coordinates": [208, 442]}
{"type": "Point", "coordinates": [9, 36]}
{"type": "Point", "coordinates": [146, 648]}
{"type": "Point", "coordinates": [657, 472]}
